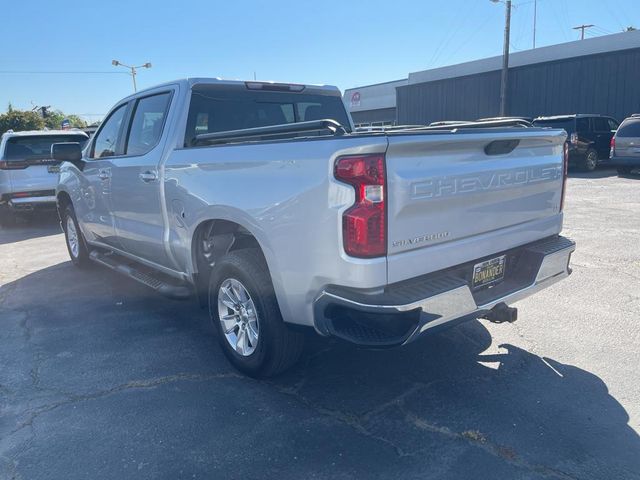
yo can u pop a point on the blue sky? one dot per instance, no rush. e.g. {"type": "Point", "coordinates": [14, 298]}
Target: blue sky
{"type": "Point", "coordinates": [345, 43]}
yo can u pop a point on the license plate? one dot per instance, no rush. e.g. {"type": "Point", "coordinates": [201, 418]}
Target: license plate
{"type": "Point", "coordinates": [488, 272]}
{"type": "Point", "coordinates": [53, 169]}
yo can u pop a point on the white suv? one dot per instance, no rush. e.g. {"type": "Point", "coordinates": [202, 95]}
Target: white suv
{"type": "Point", "coordinates": [28, 175]}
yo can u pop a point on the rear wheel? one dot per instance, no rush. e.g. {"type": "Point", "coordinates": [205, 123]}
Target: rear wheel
{"type": "Point", "coordinates": [590, 161]}
{"type": "Point", "coordinates": [76, 244]}
{"type": "Point", "coordinates": [245, 313]}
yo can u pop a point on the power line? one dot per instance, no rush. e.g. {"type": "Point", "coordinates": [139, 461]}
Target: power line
{"type": "Point", "coordinates": [62, 72]}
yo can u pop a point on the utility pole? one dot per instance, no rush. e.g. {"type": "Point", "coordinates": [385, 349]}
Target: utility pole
{"type": "Point", "coordinates": [582, 28]}
{"type": "Point", "coordinates": [504, 81]}
{"type": "Point", "coordinates": [535, 18]}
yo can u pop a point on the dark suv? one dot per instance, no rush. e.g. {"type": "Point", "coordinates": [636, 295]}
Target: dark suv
{"type": "Point", "coordinates": [589, 137]}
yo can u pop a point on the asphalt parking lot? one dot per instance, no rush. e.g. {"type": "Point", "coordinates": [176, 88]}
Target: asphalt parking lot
{"type": "Point", "coordinates": [100, 378]}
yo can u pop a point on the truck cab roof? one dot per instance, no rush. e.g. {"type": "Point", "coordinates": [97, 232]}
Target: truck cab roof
{"type": "Point", "coordinates": [248, 84]}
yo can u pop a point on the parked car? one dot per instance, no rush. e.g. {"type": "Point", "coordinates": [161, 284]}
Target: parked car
{"type": "Point", "coordinates": [28, 176]}
{"type": "Point", "coordinates": [625, 146]}
{"type": "Point", "coordinates": [261, 200]}
{"type": "Point", "coordinates": [589, 137]}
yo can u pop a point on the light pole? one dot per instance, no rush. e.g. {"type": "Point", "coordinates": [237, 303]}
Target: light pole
{"type": "Point", "coordinates": [504, 80]}
{"type": "Point", "coordinates": [535, 18]}
{"type": "Point", "coordinates": [117, 63]}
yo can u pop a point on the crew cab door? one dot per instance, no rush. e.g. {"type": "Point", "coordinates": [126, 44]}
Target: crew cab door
{"type": "Point", "coordinates": [135, 180]}
{"type": "Point", "coordinates": [94, 208]}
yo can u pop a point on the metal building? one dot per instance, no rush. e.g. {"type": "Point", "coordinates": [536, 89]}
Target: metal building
{"type": "Point", "coordinates": [373, 105]}
{"type": "Point", "coordinates": [595, 75]}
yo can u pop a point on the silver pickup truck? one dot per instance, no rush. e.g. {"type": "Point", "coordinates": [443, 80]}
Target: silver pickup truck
{"type": "Point", "coordinates": [262, 201]}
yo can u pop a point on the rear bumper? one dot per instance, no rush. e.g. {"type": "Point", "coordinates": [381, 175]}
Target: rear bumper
{"type": "Point", "coordinates": [399, 313]}
{"type": "Point", "coordinates": [31, 203]}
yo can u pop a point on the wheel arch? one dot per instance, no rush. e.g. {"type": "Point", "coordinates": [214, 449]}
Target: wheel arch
{"type": "Point", "coordinates": [62, 200]}
{"type": "Point", "coordinates": [214, 237]}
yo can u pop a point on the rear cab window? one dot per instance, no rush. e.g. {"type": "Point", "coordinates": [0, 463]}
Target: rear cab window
{"type": "Point", "coordinates": [37, 147]}
{"type": "Point", "coordinates": [215, 109]}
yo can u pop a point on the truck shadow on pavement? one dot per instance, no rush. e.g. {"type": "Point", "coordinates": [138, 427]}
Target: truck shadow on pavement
{"type": "Point", "coordinates": [91, 358]}
{"type": "Point", "coordinates": [41, 224]}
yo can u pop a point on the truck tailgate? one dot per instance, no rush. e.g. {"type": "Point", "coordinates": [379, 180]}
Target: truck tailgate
{"type": "Point", "coordinates": [451, 199]}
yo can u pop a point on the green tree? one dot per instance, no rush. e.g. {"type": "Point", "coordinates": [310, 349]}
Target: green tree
{"type": "Point", "coordinates": [76, 121]}
{"type": "Point", "coordinates": [20, 120]}
{"type": "Point", "coordinates": [54, 119]}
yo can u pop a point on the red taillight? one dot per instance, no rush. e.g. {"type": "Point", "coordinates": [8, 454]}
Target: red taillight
{"type": "Point", "coordinates": [364, 225]}
{"type": "Point", "coordinates": [612, 147]}
{"type": "Point", "coordinates": [565, 171]}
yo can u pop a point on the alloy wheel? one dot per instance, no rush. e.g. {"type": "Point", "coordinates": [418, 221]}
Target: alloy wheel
{"type": "Point", "coordinates": [238, 317]}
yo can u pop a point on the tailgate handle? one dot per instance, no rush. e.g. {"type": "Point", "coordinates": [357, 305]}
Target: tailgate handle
{"type": "Point", "coordinates": [501, 147]}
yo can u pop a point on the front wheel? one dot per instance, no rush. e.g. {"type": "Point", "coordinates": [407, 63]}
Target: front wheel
{"type": "Point", "coordinates": [76, 245]}
{"type": "Point", "coordinates": [245, 313]}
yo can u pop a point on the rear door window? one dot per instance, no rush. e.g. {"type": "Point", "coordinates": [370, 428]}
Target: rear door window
{"type": "Point", "coordinates": [582, 125]}
{"type": "Point", "coordinates": [600, 124]}
{"type": "Point", "coordinates": [629, 128]}
{"type": "Point", "coordinates": [147, 123]}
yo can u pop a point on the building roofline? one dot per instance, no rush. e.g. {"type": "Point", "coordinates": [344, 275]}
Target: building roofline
{"type": "Point", "coordinates": [562, 51]}
{"type": "Point", "coordinates": [402, 80]}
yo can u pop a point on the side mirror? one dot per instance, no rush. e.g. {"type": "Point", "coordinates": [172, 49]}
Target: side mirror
{"type": "Point", "coordinates": [68, 152]}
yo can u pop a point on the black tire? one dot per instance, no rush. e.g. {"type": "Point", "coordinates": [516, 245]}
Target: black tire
{"type": "Point", "coordinates": [79, 256]}
{"type": "Point", "coordinates": [590, 161]}
{"type": "Point", "coordinates": [278, 347]}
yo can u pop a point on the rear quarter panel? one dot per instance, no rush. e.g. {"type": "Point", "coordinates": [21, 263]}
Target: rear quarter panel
{"type": "Point", "coordinates": [283, 193]}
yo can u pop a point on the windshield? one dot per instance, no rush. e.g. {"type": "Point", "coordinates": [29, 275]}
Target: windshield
{"type": "Point", "coordinates": [37, 146]}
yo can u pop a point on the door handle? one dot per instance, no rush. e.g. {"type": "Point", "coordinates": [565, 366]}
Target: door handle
{"type": "Point", "coordinates": [148, 176]}
{"type": "Point", "coordinates": [104, 174]}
